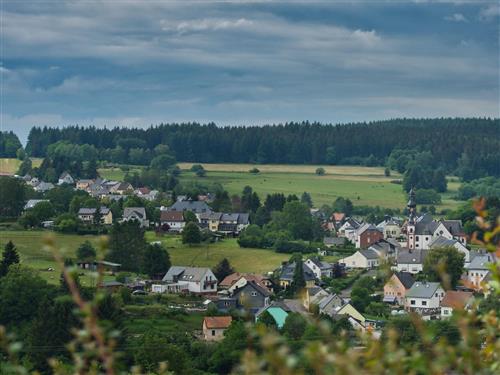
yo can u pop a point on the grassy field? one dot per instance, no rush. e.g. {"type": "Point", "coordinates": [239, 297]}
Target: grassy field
{"type": "Point", "coordinates": [363, 185]}
{"type": "Point", "coordinates": [11, 165]}
{"type": "Point", "coordinates": [30, 245]}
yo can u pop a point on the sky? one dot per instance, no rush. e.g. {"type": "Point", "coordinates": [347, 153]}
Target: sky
{"type": "Point", "coordinates": [137, 63]}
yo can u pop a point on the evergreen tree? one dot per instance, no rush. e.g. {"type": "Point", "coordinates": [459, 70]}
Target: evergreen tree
{"type": "Point", "coordinates": [223, 269]}
{"type": "Point", "coordinates": [85, 251]}
{"type": "Point", "coordinates": [9, 257]}
{"type": "Point", "coordinates": [156, 261]}
{"type": "Point", "coordinates": [298, 281]}
{"type": "Point", "coordinates": [191, 234]}
{"type": "Point", "coordinates": [127, 245]}
{"type": "Point", "coordinates": [306, 199]}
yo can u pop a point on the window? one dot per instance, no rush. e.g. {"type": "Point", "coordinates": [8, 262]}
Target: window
{"type": "Point", "coordinates": [445, 312]}
{"type": "Point", "coordinates": [213, 332]}
{"type": "Point", "coordinates": [424, 303]}
{"type": "Point", "coordinates": [412, 302]}
{"type": "Point", "coordinates": [427, 238]}
{"type": "Point", "coordinates": [254, 294]}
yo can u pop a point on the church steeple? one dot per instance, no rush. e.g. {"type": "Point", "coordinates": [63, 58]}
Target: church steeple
{"type": "Point", "coordinates": [412, 207]}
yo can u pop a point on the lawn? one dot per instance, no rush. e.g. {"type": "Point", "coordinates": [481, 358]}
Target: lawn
{"type": "Point", "coordinates": [363, 185]}
{"type": "Point", "coordinates": [11, 165]}
{"type": "Point", "coordinates": [30, 245]}
{"type": "Point", "coordinates": [242, 259]}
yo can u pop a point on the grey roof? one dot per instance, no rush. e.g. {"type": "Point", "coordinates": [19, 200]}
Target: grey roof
{"type": "Point", "coordinates": [369, 254]}
{"type": "Point", "coordinates": [441, 241]}
{"type": "Point", "coordinates": [422, 289]}
{"type": "Point", "coordinates": [229, 217]}
{"type": "Point", "coordinates": [288, 270]}
{"type": "Point", "coordinates": [92, 211]}
{"type": "Point", "coordinates": [138, 211]}
{"type": "Point", "coordinates": [33, 202]}
{"type": "Point", "coordinates": [243, 219]}
{"type": "Point", "coordinates": [253, 285]}
{"type": "Point", "coordinates": [320, 264]}
{"type": "Point", "coordinates": [197, 207]}
{"type": "Point", "coordinates": [406, 279]}
{"type": "Point", "coordinates": [454, 227]}
{"type": "Point", "coordinates": [385, 246]}
{"type": "Point", "coordinates": [415, 256]}
{"type": "Point", "coordinates": [44, 186]}
{"type": "Point", "coordinates": [481, 262]}
{"type": "Point", "coordinates": [336, 241]}
{"type": "Point", "coordinates": [327, 300]}
{"type": "Point", "coordinates": [210, 216]}
{"type": "Point", "coordinates": [180, 273]}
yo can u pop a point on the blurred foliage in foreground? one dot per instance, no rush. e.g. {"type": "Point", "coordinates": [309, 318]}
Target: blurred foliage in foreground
{"type": "Point", "coordinates": [468, 344]}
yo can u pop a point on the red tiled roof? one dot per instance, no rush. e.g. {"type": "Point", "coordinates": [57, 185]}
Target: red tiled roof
{"type": "Point", "coordinates": [172, 216]}
{"type": "Point", "coordinates": [230, 279]}
{"type": "Point", "coordinates": [456, 299]}
{"type": "Point", "coordinates": [212, 322]}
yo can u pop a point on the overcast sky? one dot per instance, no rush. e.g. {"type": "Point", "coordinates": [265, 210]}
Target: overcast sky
{"type": "Point", "coordinates": [134, 63]}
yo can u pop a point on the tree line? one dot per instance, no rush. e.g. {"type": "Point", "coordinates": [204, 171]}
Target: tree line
{"type": "Point", "coordinates": [469, 144]}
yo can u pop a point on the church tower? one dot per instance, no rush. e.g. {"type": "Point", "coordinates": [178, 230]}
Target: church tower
{"type": "Point", "coordinates": [412, 220]}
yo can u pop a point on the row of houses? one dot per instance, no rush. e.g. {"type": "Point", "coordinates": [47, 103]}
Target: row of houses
{"type": "Point", "coordinates": [428, 299]}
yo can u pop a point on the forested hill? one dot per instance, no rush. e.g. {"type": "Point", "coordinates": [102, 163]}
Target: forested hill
{"type": "Point", "coordinates": [475, 140]}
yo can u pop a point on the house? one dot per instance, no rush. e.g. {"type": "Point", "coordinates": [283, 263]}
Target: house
{"type": "Point", "coordinates": [423, 230]}
{"type": "Point", "coordinates": [361, 259]}
{"type": "Point", "coordinates": [246, 278]}
{"type": "Point", "coordinates": [286, 275]}
{"type": "Point", "coordinates": [147, 194]}
{"type": "Point", "coordinates": [477, 271]}
{"type": "Point", "coordinates": [386, 248]}
{"type": "Point", "coordinates": [87, 215]}
{"type": "Point", "coordinates": [223, 304]}
{"type": "Point", "coordinates": [334, 241]}
{"type": "Point", "coordinates": [366, 235]}
{"type": "Point", "coordinates": [278, 310]}
{"type": "Point", "coordinates": [136, 213]}
{"type": "Point", "coordinates": [330, 304]}
{"type": "Point", "coordinates": [215, 326]}
{"type": "Point", "coordinates": [455, 300]}
{"type": "Point", "coordinates": [252, 297]}
{"type": "Point", "coordinates": [33, 202]}
{"type": "Point", "coordinates": [121, 188]}
{"type": "Point", "coordinates": [351, 312]}
{"type": "Point", "coordinates": [197, 280]}
{"type": "Point", "coordinates": [172, 220]}
{"type": "Point", "coordinates": [424, 298]}
{"type": "Point", "coordinates": [210, 220]}
{"type": "Point", "coordinates": [43, 187]}
{"type": "Point", "coordinates": [411, 261]}
{"type": "Point", "coordinates": [65, 178]}
{"type": "Point", "coordinates": [319, 268]}
{"type": "Point", "coordinates": [396, 287]}
{"type": "Point", "coordinates": [440, 241]}
{"type": "Point", "coordinates": [348, 229]}
{"type": "Point", "coordinates": [95, 265]}
{"type": "Point", "coordinates": [390, 227]}
{"type": "Point", "coordinates": [196, 207]}
{"type": "Point", "coordinates": [84, 184]}
{"type": "Point", "coordinates": [313, 296]}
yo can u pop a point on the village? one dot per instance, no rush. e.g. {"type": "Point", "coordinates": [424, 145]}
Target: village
{"type": "Point", "coordinates": [391, 253]}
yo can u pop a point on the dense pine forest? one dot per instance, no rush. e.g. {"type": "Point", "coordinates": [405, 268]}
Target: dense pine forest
{"type": "Point", "coordinates": [453, 142]}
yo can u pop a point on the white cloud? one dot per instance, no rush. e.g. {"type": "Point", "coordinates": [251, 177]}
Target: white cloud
{"type": "Point", "coordinates": [456, 17]}
{"type": "Point", "coordinates": [489, 12]}
{"type": "Point", "coordinates": [205, 24]}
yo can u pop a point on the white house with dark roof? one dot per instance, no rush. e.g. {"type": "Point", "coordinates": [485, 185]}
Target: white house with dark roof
{"type": "Point", "coordinates": [319, 268]}
{"type": "Point", "coordinates": [440, 241]}
{"type": "Point", "coordinates": [361, 259]}
{"type": "Point", "coordinates": [478, 269]}
{"type": "Point", "coordinates": [424, 298]}
{"type": "Point", "coordinates": [87, 215]}
{"type": "Point", "coordinates": [136, 213]}
{"type": "Point", "coordinates": [411, 261]}
{"type": "Point", "coordinates": [65, 178]}
{"type": "Point", "coordinates": [198, 280]}
{"type": "Point", "coordinates": [197, 207]}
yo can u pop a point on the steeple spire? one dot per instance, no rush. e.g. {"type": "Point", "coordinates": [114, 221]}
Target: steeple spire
{"type": "Point", "coordinates": [412, 207]}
